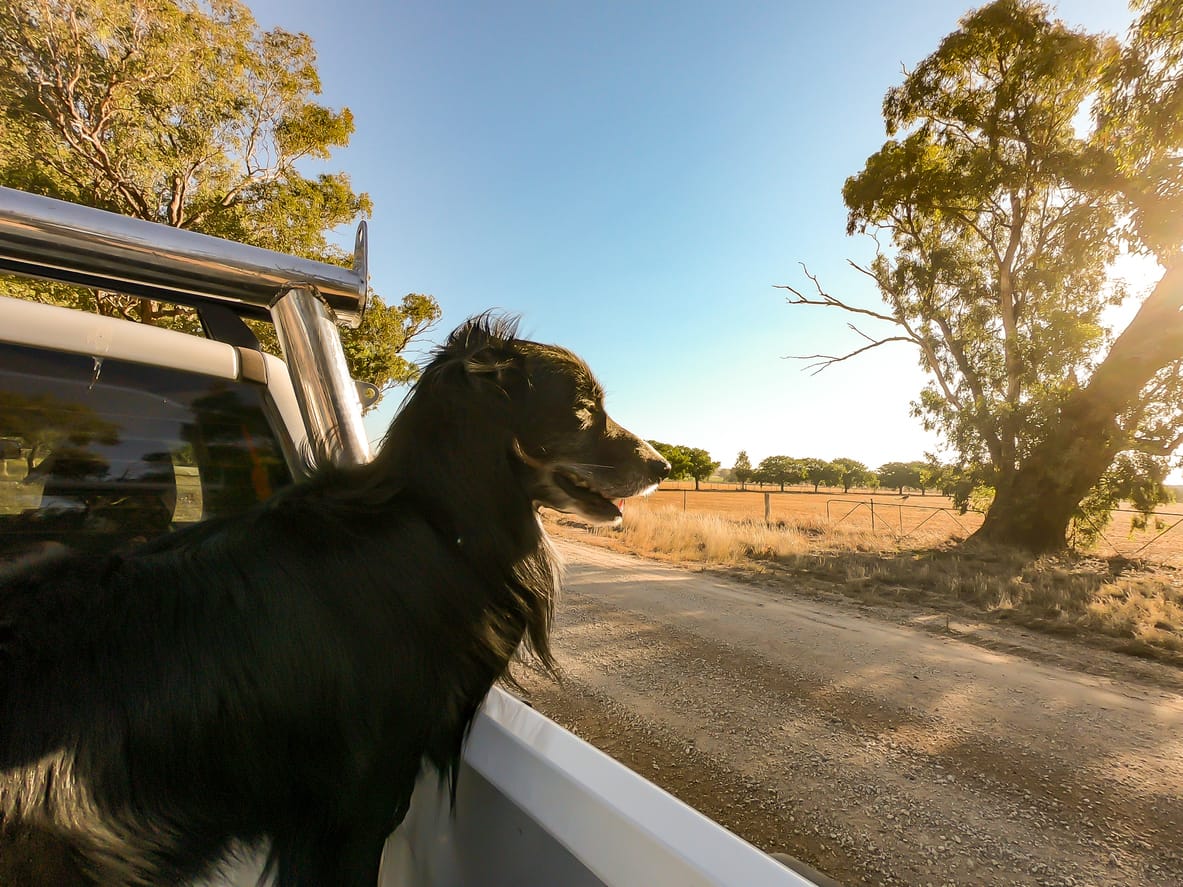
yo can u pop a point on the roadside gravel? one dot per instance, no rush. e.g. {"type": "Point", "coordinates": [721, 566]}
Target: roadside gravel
{"type": "Point", "coordinates": [879, 752]}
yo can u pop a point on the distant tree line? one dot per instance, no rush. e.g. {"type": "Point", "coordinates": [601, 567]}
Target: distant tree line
{"type": "Point", "coordinates": [1132, 478]}
{"type": "Point", "coordinates": [786, 470]}
{"type": "Point", "coordinates": [964, 485]}
{"type": "Point", "coordinates": [696, 463]}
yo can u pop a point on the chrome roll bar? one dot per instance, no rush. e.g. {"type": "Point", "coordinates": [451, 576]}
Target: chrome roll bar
{"type": "Point", "coordinates": [325, 391]}
{"type": "Point", "coordinates": [55, 240]}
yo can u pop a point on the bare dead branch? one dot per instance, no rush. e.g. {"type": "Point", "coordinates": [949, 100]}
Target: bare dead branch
{"type": "Point", "coordinates": [826, 300]}
{"type": "Point", "coordinates": [827, 360]}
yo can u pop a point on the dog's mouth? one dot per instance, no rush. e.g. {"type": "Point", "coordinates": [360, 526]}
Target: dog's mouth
{"type": "Point", "coordinates": [585, 499]}
{"type": "Point", "coordinates": [593, 492]}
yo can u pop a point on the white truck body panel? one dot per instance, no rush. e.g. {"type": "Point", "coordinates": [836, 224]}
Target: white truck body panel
{"type": "Point", "coordinates": [538, 806]}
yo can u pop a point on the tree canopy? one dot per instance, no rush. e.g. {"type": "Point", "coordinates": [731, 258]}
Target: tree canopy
{"type": "Point", "coordinates": [742, 470]}
{"type": "Point", "coordinates": [186, 113]}
{"type": "Point", "coordinates": [999, 222]}
{"type": "Point", "coordinates": [898, 475]}
{"type": "Point", "coordinates": [685, 461]}
{"type": "Point", "coordinates": [779, 470]}
{"type": "Point", "coordinates": [851, 473]}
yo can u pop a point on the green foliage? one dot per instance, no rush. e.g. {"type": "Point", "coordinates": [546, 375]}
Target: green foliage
{"type": "Point", "coordinates": [742, 470]}
{"type": "Point", "coordinates": [1139, 113]}
{"type": "Point", "coordinates": [935, 476]}
{"type": "Point", "coordinates": [965, 484]}
{"type": "Point", "coordinates": [373, 349]}
{"type": "Point", "coordinates": [701, 464]}
{"type": "Point", "coordinates": [686, 461]}
{"type": "Point", "coordinates": [998, 223]}
{"type": "Point", "coordinates": [822, 472]}
{"type": "Point", "coordinates": [980, 498]}
{"type": "Point", "coordinates": [999, 269]}
{"type": "Point", "coordinates": [898, 475]}
{"type": "Point", "coordinates": [779, 470]}
{"type": "Point", "coordinates": [850, 473]}
{"type": "Point", "coordinates": [186, 113]}
{"type": "Point", "coordinates": [677, 456]}
{"type": "Point", "coordinates": [816, 472]}
{"type": "Point", "coordinates": [1134, 478]}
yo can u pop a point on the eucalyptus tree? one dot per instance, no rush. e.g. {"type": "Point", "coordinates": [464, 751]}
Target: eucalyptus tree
{"type": "Point", "coordinates": [998, 222]}
{"type": "Point", "coordinates": [186, 113]}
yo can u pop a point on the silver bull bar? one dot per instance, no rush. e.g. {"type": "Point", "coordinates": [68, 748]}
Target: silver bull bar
{"type": "Point", "coordinates": [56, 240]}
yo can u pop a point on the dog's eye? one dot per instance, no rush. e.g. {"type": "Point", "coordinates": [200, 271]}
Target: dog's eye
{"type": "Point", "coordinates": [590, 415]}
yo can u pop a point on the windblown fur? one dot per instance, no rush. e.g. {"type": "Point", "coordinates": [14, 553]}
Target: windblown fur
{"type": "Point", "coordinates": [281, 676]}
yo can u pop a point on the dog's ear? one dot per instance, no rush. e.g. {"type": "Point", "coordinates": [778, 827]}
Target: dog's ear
{"type": "Point", "coordinates": [489, 350]}
{"type": "Point", "coordinates": [496, 364]}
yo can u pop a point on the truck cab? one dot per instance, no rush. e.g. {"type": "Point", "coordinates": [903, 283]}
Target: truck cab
{"type": "Point", "coordinates": [113, 432]}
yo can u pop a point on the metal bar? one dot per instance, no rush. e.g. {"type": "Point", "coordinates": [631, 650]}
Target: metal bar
{"type": "Point", "coordinates": [326, 394]}
{"type": "Point", "coordinates": [857, 506]}
{"type": "Point", "coordinates": [935, 512]}
{"type": "Point", "coordinates": [1159, 536]}
{"type": "Point", "coordinates": [1100, 535]}
{"type": "Point", "coordinates": [56, 240]}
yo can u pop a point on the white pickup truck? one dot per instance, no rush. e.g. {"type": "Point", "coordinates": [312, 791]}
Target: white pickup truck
{"type": "Point", "coordinates": [111, 432]}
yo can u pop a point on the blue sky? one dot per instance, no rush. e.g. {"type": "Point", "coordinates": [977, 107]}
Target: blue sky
{"type": "Point", "coordinates": [633, 179]}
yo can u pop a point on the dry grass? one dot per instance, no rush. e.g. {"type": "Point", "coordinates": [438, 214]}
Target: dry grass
{"type": "Point", "coordinates": [1127, 605]}
{"type": "Point", "coordinates": [716, 539]}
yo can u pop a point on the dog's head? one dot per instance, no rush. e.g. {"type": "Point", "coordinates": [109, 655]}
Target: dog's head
{"type": "Point", "coordinates": [575, 457]}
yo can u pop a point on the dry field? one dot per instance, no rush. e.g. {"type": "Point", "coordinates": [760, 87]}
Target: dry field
{"type": "Point", "coordinates": [927, 519]}
{"type": "Point", "coordinates": [912, 518]}
{"type": "Point", "coordinates": [914, 557]}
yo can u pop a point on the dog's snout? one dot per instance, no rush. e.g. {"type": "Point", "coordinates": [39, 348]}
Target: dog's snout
{"type": "Point", "coordinates": [658, 468]}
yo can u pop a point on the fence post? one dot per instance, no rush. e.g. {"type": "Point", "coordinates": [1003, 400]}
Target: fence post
{"type": "Point", "coordinates": [872, 515]}
{"type": "Point", "coordinates": [767, 507]}
{"type": "Point", "coordinates": [683, 500]}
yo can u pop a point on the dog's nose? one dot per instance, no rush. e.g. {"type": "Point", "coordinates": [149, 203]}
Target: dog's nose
{"type": "Point", "coordinates": [659, 468]}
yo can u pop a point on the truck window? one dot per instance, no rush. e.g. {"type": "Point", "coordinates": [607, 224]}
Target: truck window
{"type": "Point", "coordinates": [96, 455]}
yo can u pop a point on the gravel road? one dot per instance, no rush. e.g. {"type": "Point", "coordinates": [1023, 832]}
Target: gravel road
{"type": "Point", "coordinates": [880, 750]}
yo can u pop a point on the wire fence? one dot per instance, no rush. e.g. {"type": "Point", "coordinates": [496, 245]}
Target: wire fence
{"type": "Point", "coordinates": [1133, 535]}
{"type": "Point", "coordinates": [1130, 534]}
{"type": "Point", "coordinates": [918, 516]}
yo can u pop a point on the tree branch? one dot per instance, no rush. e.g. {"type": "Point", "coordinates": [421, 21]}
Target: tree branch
{"type": "Point", "coordinates": [798, 298]}
{"type": "Point", "coordinates": [826, 360]}
{"type": "Point", "coordinates": [1156, 446]}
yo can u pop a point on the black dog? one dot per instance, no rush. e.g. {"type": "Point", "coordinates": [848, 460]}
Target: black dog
{"type": "Point", "coordinates": [281, 676]}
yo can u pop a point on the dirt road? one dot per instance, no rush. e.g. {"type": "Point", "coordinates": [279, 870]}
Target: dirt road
{"type": "Point", "coordinates": [876, 750]}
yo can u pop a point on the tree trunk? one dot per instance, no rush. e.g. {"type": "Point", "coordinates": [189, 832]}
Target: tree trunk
{"type": "Point", "coordinates": [1033, 505]}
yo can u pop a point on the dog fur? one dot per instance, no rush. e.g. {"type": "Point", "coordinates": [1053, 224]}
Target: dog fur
{"type": "Point", "coordinates": [283, 675]}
